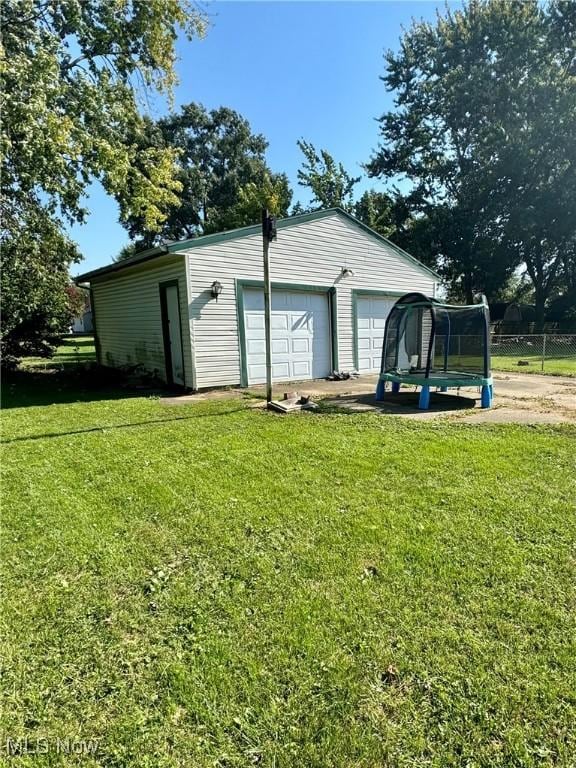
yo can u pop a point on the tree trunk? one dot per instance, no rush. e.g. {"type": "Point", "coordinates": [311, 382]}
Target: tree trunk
{"type": "Point", "coordinates": [540, 305]}
{"type": "Point", "coordinates": [468, 288]}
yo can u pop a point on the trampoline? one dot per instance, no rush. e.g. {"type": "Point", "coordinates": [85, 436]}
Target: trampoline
{"type": "Point", "coordinates": [431, 344]}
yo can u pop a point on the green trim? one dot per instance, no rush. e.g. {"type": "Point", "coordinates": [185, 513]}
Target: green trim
{"type": "Point", "coordinates": [138, 258]}
{"type": "Point", "coordinates": [369, 292]}
{"type": "Point", "coordinates": [97, 347]}
{"type": "Point", "coordinates": [400, 251]}
{"type": "Point", "coordinates": [277, 286]}
{"type": "Point", "coordinates": [333, 299]}
{"type": "Point", "coordinates": [357, 292]}
{"type": "Point", "coordinates": [255, 229]}
{"type": "Point", "coordinates": [240, 285]}
{"type": "Point", "coordinates": [458, 380]}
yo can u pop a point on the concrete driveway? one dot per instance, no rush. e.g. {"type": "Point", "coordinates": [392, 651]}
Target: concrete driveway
{"type": "Point", "coordinates": [518, 398]}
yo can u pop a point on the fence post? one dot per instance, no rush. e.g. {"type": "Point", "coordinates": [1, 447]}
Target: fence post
{"type": "Point", "coordinates": [543, 349]}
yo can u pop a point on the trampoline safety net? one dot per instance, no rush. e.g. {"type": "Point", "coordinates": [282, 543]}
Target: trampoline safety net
{"type": "Point", "coordinates": [424, 337]}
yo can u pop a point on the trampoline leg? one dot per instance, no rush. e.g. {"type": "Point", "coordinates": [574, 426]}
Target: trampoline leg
{"type": "Point", "coordinates": [424, 400]}
{"type": "Point", "coordinates": [443, 389]}
{"type": "Point", "coordinates": [395, 387]}
{"type": "Point", "coordinates": [380, 389]}
{"type": "Point", "coordinates": [486, 399]}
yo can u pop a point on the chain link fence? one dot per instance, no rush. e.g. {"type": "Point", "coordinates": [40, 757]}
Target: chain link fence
{"type": "Point", "coordinates": [548, 352]}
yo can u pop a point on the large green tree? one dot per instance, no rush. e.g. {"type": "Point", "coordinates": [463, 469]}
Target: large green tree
{"type": "Point", "coordinates": [484, 129]}
{"type": "Point", "coordinates": [221, 165]}
{"type": "Point", "coordinates": [73, 73]}
{"type": "Point", "coordinates": [329, 182]}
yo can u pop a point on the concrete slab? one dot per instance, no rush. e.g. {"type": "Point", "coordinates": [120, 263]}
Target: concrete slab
{"type": "Point", "coordinates": [505, 415]}
{"type": "Point", "coordinates": [522, 398]}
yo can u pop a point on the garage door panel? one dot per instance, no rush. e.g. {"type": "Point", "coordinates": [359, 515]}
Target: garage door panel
{"type": "Point", "coordinates": [277, 322]}
{"type": "Point", "coordinates": [256, 347]}
{"type": "Point", "coordinates": [280, 346]}
{"type": "Point", "coordinates": [256, 372]}
{"type": "Point", "coordinates": [302, 369]}
{"type": "Point", "coordinates": [301, 343]}
{"type": "Point", "coordinates": [371, 313]}
{"type": "Point", "coordinates": [300, 322]}
{"type": "Point", "coordinates": [253, 301]}
{"type": "Point", "coordinates": [254, 321]}
{"type": "Point", "coordinates": [279, 370]}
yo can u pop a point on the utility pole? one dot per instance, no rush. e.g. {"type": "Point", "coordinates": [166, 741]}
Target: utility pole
{"type": "Point", "coordinates": [268, 234]}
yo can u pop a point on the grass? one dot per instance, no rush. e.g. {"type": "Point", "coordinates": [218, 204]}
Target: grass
{"type": "Point", "coordinates": [553, 366]}
{"type": "Point", "coordinates": [74, 351]}
{"type": "Point", "coordinates": [215, 585]}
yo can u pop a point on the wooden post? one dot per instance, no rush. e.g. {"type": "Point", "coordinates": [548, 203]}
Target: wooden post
{"type": "Point", "coordinates": [267, 305]}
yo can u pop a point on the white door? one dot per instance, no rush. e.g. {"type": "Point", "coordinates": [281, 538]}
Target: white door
{"type": "Point", "coordinates": [371, 313]}
{"type": "Point", "coordinates": [301, 346]}
{"type": "Point", "coordinates": [174, 333]}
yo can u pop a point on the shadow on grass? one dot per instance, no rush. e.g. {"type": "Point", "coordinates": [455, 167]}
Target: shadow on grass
{"type": "Point", "coordinates": [129, 425]}
{"type": "Point", "coordinates": [401, 404]}
{"type": "Point", "coordinates": [72, 384]}
{"type": "Point", "coordinates": [78, 341]}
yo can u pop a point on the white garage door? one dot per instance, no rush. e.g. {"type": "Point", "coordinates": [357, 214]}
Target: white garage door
{"type": "Point", "coordinates": [371, 312]}
{"type": "Point", "coordinates": [300, 335]}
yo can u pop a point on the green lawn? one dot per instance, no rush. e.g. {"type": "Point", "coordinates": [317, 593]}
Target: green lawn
{"type": "Point", "coordinates": [215, 585]}
{"type": "Point", "coordinates": [74, 351]}
{"type": "Point", "coordinates": [555, 366]}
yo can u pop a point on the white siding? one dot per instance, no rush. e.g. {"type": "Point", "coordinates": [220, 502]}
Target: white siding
{"type": "Point", "coordinates": [309, 253]}
{"type": "Point", "coordinates": [128, 316]}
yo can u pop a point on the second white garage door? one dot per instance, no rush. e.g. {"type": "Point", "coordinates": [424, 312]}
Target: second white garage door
{"type": "Point", "coordinates": [301, 347]}
{"type": "Point", "coordinates": [371, 314]}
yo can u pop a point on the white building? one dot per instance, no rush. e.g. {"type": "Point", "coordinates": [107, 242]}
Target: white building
{"type": "Point", "coordinates": [334, 281]}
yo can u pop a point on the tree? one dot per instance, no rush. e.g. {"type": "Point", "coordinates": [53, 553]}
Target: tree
{"type": "Point", "coordinates": [36, 306]}
{"type": "Point", "coordinates": [484, 130]}
{"type": "Point", "coordinates": [271, 191]}
{"type": "Point", "coordinates": [331, 185]}
{"type": "Point", "coordinates": [377, 211]}
{"type": "Point", "coordinates": [127, 251]}
{"type": "Point", "coordinates": [220, 163]}
{"type": "Point", "coordinates": [72, 75]}
{"type": "Point", "coordinates": [391, 216]}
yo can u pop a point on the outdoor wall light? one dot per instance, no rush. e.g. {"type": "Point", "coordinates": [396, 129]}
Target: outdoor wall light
{"type": "Point", "coordinates": [347, 272]}
{"type": "Point", "coordinates": [216, 289]}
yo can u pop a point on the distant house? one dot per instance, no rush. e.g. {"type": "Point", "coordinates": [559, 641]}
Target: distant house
{"type": "Point", "coordinates": [83, 322]}
{"type": "Point", "coordinates": [192, 312]}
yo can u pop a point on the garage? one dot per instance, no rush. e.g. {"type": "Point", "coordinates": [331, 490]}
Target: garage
{"type": "Point", "coordinates": [334, 281]}
{"type": "Point", "coordinates": [301, 338]}
{"type": "Point", "coordinates": [371, 314]}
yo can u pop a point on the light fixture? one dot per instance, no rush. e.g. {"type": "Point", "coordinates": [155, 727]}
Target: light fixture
{"type": "Point", "coordinates": [216, 289]}
{"type": "Point", "coordinates": [346, 272]}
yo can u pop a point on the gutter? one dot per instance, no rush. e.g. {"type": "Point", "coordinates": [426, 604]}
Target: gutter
{"type": "Point", "coordinates": [138, 258]}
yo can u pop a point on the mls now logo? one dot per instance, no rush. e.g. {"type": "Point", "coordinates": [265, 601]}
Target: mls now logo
{"type": "Point", "coordinates": [42, 746]}
{"type": "Point", "coordinates": [76, 746]}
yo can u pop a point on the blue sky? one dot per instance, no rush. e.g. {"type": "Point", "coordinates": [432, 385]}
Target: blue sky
{"type": "Point", "coordinates": [294, 70]}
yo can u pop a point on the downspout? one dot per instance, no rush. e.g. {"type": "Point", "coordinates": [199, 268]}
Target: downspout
{"type": "Point", "coordinates": [95, 327]}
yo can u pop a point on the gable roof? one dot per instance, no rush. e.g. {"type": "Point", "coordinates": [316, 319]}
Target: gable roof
{"type": "Point", "coordinates": [254, 229]}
